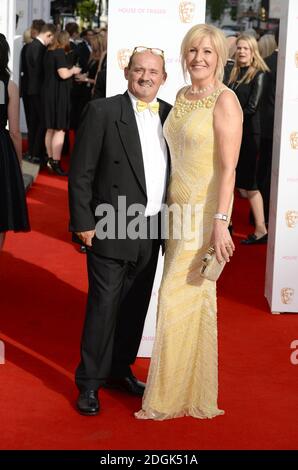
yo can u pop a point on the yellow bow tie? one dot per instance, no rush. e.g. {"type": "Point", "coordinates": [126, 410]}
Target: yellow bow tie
{"type": "Point", "coordinates": [141, 106]}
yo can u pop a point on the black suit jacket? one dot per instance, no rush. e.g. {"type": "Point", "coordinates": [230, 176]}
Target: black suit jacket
{"type": "Point", "coordinates": [34, 66]}
{"type": "Point", "coordinates": [107, 163]}
{"type": "Point", "coordinates": [83, 53]}
{"type": "Point", "coordinates": [268, 100]}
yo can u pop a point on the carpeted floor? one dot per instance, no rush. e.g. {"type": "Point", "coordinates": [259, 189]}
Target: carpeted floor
{"type": "Point", "coordinates": [42, 297]}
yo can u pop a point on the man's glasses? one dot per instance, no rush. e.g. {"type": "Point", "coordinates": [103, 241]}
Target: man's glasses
{"type": "Point", "coordinates": [154, 50]}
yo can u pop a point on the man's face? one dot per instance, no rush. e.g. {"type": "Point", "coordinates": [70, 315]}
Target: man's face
{"type": "Point", "coordinates": [48, 38]}
{"type": "Point", "coordinates": [34, 33]}
{"type": "Point", "coordinates": [145, 75]}
{"type": "Point", "coordinates": [89, 36]}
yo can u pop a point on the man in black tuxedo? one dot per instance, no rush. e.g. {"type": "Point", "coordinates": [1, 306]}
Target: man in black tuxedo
{"type": "Point", "coordinates": [33, 59]}
{"type": "Point", "coordinates": [267, 127]}
{"type": "Point", "coordinates": [120, 155]}
{"type": "Point", "coordinates": [84, 49]}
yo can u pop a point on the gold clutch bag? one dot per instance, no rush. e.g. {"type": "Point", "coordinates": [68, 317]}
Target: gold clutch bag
{"type": "Point", "coordinates": [211, 269]}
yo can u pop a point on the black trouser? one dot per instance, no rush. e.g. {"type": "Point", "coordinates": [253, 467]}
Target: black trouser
{"type": "Point", "coordinates": [35, 125]}
{"type": "Point", "coordinates": [118, 299]}
{"type": "Point", "coordinates": [27, 109]}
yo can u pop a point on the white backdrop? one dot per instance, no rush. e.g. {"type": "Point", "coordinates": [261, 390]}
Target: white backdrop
{"type": "Point", "coordinates": [281, 287]}
{"type": "Point", "coordinates": [151, 23]}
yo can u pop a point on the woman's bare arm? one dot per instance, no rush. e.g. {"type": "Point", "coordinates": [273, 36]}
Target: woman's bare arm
{"type": "Point", "coordinates": [14, 118]}
{"type": "Point", "coordinates": [228, 120]}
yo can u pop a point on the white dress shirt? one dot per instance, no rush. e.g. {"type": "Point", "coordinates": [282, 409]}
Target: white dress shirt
{"type": "Point", "coordinates": [155, 158]}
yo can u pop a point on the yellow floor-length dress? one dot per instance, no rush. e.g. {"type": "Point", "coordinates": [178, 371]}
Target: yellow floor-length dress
{"type": "Point", "coordinates": [183, 374]}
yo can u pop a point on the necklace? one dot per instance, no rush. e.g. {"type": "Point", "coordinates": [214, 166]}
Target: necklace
{"type": "Point", "coordinates": [201, 90]}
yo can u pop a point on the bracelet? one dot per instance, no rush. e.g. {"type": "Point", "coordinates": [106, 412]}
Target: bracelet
{"type": "Point", "coordinates": [221, 216]}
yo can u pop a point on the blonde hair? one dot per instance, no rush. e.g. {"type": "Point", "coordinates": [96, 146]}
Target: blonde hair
{"type": "Point", "coordinates": [267, 45]}
{"type": "Point", "coordinates": [97, 47]}
{"type": "Point", "coordinates": [257, 63]}
{"type": "Point", "coordinates": [218, 40]}
{"type": "Point", "coordinates": [27, 36]}
{"type": "Point", "coordinates": [60, 41]}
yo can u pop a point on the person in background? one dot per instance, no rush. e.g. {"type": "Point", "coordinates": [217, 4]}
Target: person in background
{"type": "Point", "coordinates": [13, 207]}
{"type": "Point", "coordinates": [57, 84]}
{"type": "Point", "coordinates": [99, 90]}
{"type": "Point", "coordinates": [84, 49]}
{"type": "Point", "coordinates": [36, 27]}
{"type": "Point", "coordinates": [73, 30]}
{"type": "Point", "coordinates": [27, 39]}
{"type": "Point", "coordinates": [247, 80]}
{"type": "Point", "coordinates": [267, 128]}
{"type": "Point", "coordinates": [86, 80]}
{"type": "Point", "coordinates": [35, 72]}
{"type": "Point", "coordinates": [267, 45]}
{"type": "Point", "coordinates": [231, 42]}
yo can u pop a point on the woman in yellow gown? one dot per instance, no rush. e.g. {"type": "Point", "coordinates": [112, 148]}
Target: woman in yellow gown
{"type": "Point", "coordinates": [203, 132]}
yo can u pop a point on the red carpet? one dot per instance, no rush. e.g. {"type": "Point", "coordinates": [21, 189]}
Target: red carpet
{"type": "Point", "coordinates": [43, 291]}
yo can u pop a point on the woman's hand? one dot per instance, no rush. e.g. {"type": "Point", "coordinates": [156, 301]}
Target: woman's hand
{"type": "Point", "coordinates": [79, 77]}
{"type": "Point", "coordinates": [222, 241]}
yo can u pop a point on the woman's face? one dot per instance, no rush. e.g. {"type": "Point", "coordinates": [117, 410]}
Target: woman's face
{"type": "Point", "coordinates": [201, 60]}
{"type": "Point", "coordinates": [243, 53]}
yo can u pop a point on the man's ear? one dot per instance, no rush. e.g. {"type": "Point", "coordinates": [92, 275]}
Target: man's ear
{"type": "Point", "coordinates": [165, 75]}
{"type": "Point", "coordinates": [126, 73]}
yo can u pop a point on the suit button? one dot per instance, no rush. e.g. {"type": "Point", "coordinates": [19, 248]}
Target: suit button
{"type": "Point", "coordinates": [115, 186]}
{"type": "Point", "coordinates": [117, 162]}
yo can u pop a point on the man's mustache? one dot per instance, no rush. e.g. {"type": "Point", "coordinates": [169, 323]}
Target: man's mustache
{"type": "Point", "coordinates": [145, 82]}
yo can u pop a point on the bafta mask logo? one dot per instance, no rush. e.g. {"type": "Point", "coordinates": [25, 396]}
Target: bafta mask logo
{"type": "Point", "coordinates": [292, 218]}
{"type": "Point", "coordinates": [296, 59]}
{"type": "Point", "coordinates": [287, 295]}
{"type": "Point", "coordinates": [187, 11]}
{"type": "Point", "coordinates": [294, 140]}
{"type": "Point", "coordinates": [123, 57]}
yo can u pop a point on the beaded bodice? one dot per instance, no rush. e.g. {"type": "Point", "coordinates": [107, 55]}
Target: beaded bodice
{"type": "Point", "coordinates": [183, 105]}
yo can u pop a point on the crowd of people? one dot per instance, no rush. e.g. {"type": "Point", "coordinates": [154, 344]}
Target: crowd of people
{"type": "Point", "coordinates": [140, 147]}
{"type": "Point", "coordinates": [251, 73]}
{"type": "Point", "coordinates": [58, 74]}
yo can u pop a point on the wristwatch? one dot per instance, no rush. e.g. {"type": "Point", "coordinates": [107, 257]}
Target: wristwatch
{"type": "Point", "coordinates": [220, 216]}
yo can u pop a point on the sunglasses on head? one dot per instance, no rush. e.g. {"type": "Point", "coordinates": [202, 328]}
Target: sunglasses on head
{"type": "Point", "coordinates": [154, 50]}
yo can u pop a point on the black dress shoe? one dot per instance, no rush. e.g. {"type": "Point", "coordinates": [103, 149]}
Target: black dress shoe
{"type": "Point", "coordinates": [27, 157]}
{"type": "Point", "coordinates": [129, 384]}
{"type": "Point", "coordinates": [35, 160]}
{"type": "Point", "coordinates": [253, 240]}
{"type": "Point", "coordinates": [54, 165]}
{"type": "Point", "coordinates": [88, 403]}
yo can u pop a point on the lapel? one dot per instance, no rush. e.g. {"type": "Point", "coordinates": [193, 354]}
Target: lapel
{"type": "Point", "coordinates": [129, 134]}
{"type": "Point", "coordinates": [163, 114]}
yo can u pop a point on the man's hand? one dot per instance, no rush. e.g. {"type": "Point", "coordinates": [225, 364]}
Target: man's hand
{"type": "Point", "coordinates": [86, 237]}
